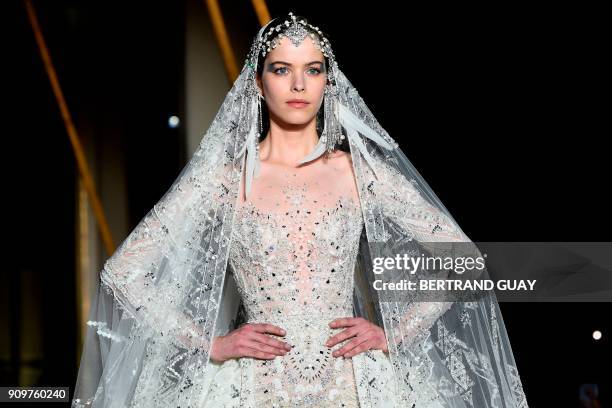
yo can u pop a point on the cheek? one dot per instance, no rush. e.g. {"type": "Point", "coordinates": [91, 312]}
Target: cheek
{"type": "Point", "coordinates": [274, 91]}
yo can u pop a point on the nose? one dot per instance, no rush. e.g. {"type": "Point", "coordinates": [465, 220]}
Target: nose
{"type": "Point", "coordinates": [298, 84]}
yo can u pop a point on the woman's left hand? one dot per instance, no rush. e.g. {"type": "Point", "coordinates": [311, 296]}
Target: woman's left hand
{"type": "Point", "coordinates": [367, 336]}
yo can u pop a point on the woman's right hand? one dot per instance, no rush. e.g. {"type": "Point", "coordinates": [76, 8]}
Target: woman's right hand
{"type": "Point", "coordinates": [249, 340]}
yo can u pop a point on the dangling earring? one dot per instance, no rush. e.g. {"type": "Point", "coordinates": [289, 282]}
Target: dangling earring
{"type": "Point", "coordinates": [332, 131]}
{"type": "Point", "coordinates": [259, 99]}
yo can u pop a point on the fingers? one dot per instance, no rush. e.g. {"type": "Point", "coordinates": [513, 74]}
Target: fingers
{"type": "Point", "coordinates": [255, 342]}
{"type": "Point", "coordinates": [268, 328]}
{"type": "Point", "coordinates": [260, 332]}
{"type": "Point", "coordinates": [367, 336]}
{"type": "Point", "coordinates": [266, 349]}
{"type": "Point", "coordinates": [350, 345]}
{"type": "Point", "coordinates": [366, 345]}
{"type": "Point", "coordinates": [340, 337]}
{"type": "Point", "coordinates": [255, 352]}
{"type": "Point", "coordinates": [346, 321]}
{"type": "Point", "coordinates": [356, 324]}
{"type": "Point", "coordinates": [265, 339]}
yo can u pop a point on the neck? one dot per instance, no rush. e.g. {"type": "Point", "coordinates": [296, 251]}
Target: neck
{"type": "Point", "coordinates": [288, 144]}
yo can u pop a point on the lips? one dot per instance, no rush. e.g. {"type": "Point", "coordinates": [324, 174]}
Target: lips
{"type": "Point", "coordinates": [297, 103]}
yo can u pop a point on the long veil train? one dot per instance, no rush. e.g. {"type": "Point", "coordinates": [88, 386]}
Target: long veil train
{"type": "Point", "coordinates": [161, 296]}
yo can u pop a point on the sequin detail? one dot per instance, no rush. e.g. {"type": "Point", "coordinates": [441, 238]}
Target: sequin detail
{"type": "Point", "coordinates": [293, 256]}
{"type": "Point", "coordinates": [294, 269]}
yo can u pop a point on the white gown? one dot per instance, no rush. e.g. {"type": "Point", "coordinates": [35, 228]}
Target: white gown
{"type": "Point", "coordinates": [293, 254]}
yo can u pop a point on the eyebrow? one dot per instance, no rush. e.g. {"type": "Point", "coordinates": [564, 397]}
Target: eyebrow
{"type": "Point", "coordinates": [287, 63]}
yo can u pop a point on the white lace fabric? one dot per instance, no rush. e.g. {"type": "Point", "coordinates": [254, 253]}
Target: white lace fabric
{"type": "Point", "coordinates": [293, 255]}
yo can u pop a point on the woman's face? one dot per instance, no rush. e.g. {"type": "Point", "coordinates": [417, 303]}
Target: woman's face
{"type": "Point", "coordinates": [289, 73]}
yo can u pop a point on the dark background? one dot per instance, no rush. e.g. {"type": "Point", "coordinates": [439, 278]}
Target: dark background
{"type": "Point", "coordinates": [500, 108]}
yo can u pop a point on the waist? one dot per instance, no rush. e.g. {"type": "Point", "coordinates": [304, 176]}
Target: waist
{"type": "Point", "coordinates": [295, 316]}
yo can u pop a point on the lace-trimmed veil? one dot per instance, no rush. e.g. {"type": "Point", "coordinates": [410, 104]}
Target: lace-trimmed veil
{"type": "Point", "coordinates": [163, 294]}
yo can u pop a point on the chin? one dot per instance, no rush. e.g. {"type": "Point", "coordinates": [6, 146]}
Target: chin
{"type": "Point", "coordinates": [297, 119]}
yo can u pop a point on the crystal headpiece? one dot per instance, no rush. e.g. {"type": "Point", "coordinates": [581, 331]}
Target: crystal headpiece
{"type": "Point", "coordinates": [295, 30]}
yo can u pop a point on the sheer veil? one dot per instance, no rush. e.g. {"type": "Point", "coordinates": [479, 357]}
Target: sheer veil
{"type": "Point", "coordinates": [163, 294]}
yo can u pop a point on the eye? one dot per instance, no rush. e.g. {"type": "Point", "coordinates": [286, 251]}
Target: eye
{"type": "Point", "coordinates": [276, 70]}
{"type": "Point", "coordinates": [283, 71]}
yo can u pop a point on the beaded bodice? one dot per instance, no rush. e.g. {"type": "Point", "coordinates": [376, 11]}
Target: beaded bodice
{"type": "Point", "coordinates": [293, 255]}
{"type": "Point", "coordinates": [296, 261]}
{"type": "Point", "coordinates": [295, 245]}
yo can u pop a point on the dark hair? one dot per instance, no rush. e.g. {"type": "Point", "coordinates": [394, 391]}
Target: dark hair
{"type": "Point", "coordinates": [260, 66]}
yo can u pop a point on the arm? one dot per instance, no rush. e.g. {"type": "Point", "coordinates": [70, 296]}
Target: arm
{"type": "Point", "coordinates": [130, 273]}
{"type": "Point", "coordinates": [403, 204]}
{"type": "Point", "coordinates": [146, 274]}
